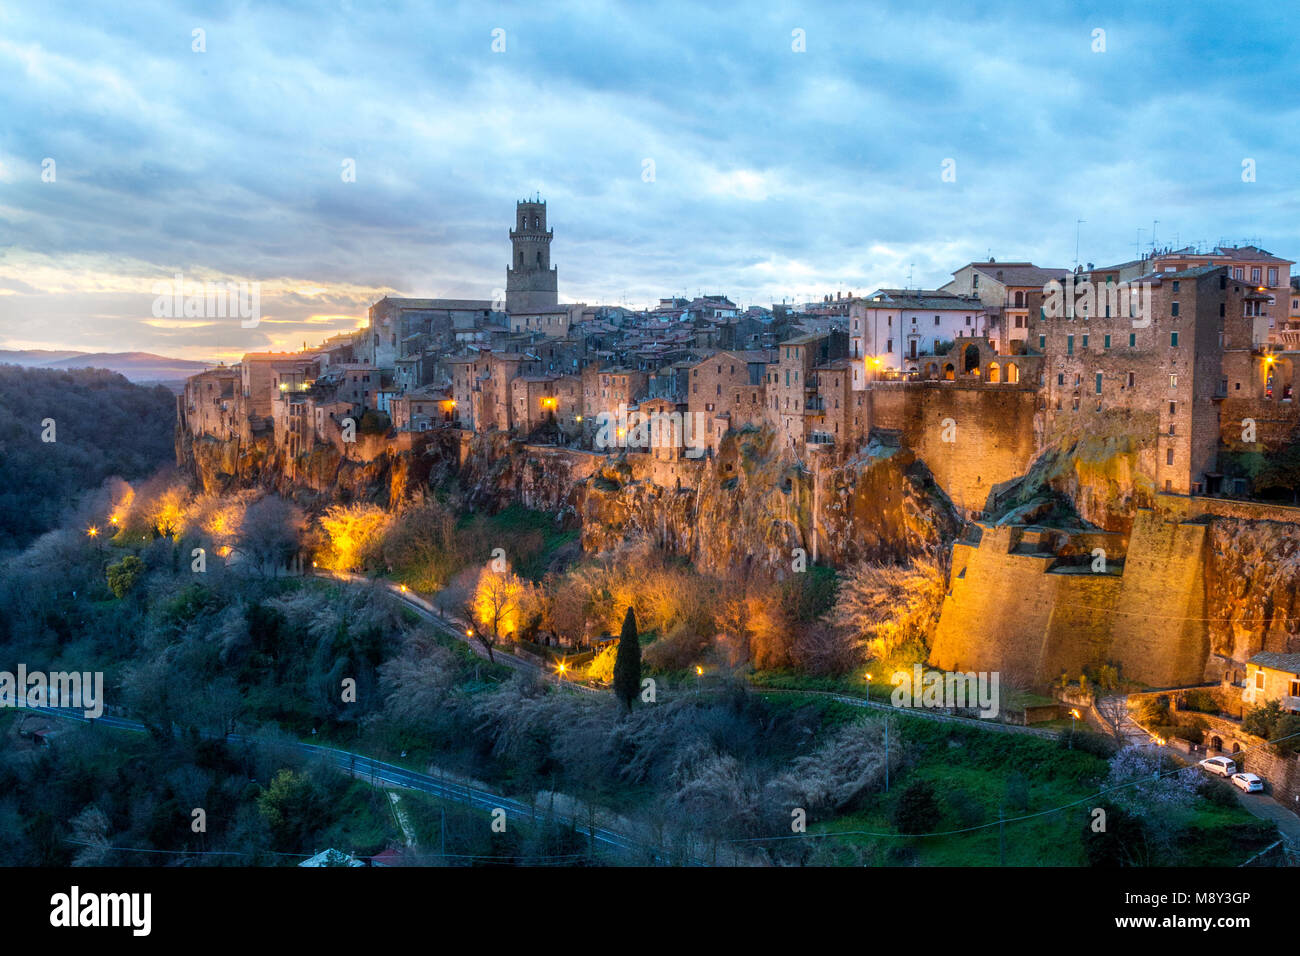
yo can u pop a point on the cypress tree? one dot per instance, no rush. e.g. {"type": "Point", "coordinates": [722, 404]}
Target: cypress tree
{"type": "Point", "coordinates": [627, 662]}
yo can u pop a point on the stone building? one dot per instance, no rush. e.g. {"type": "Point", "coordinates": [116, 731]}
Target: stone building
{"type": "Point", "coordinates": [531, 283]}
{"type": "Point", "coordinates": [211, 403]}
{"type": "Point", "coordinates": [1005, 288]}
{"type": "Point", "coordinates": [1273, 677]}
{"type": "Point", "coordinates": [791, 385]}
{"type": "Point", "coordinates": [898, 330]}
{"type": "Point", "coordinates": [1156, 379]}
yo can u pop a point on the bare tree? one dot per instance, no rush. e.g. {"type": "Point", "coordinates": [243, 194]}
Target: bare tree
{"type": "Point", "coordinates": [270, 532]}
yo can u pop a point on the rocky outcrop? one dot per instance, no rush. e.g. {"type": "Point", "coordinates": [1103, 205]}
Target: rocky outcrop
{"type": "Point", "coordinates": [1101, 478]}
{"type": "Point", "coordinates": [1252, 589]}
{"type": "Point", "coordinates": [755, 505]}
{"type": "Point", "coordinates": [371, 470]}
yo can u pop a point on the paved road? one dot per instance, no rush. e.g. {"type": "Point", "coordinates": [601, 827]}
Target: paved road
{"type": "Point", "coordinates": [1260, 805]}
{"type": "Point", "coordinates": [379, 772]}
{"type": "Point", "coordinates": [456, 628]}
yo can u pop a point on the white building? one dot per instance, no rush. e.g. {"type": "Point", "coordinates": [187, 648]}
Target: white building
{"type": "Point", "coordinates": [896, 330]}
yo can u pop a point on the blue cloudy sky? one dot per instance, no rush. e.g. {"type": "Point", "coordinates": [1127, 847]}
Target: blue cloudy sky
{"type": "Point", "coordinates": [777, 174]}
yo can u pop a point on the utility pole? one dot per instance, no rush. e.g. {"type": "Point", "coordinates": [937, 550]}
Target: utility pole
{"type": "Point", "coordinates": [1002, 840]}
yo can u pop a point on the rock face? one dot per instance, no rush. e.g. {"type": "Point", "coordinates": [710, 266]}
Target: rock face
{"type": "Point", "coordinates": [752, 504]}
{"type": "Point", "coordinates": [372, 470]}
{"type": "Point", "coordinates": [1103, 478]}
{"type": "Point", "coordinates": [1253, 589]}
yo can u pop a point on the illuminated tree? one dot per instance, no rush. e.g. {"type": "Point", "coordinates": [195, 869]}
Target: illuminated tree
{"type": "Point", "coordinates": [497, 608]}
{"type": "Point", "coordinates": [883, 605]}
{"type": "Point", "coordinates": [353, 535]}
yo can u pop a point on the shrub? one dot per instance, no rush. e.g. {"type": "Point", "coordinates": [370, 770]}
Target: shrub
{"type": "Point", "coordinates": [123, 576]}
{"type": "Point", "coordinates": [1201, 701]}
{"type": "Point", "coordinates": [917, 809]}
{"type": "Point", "coordinates": [1218, 792]}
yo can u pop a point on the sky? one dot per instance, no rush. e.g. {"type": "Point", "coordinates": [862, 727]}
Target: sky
{"type": "Point", "coordinates": [771, 152]}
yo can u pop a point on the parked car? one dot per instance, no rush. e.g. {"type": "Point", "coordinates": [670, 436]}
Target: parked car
{"type": "Point", "coordinates": [1247, 782]}
{"type": "Point", "coordinates": [1219, 766]}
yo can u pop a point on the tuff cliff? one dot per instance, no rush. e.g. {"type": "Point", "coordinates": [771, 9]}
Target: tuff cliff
{"type": "Point", "coordinates": [751, 503]}
{"type": "Point", "coordinates": [1253, 588]}
{"type": "Point", "coordinates": [372, 469]}
{"type": "Point", "coordinates": [1101, 478]}
{"type": "Point", "coordinates": [754, 504]}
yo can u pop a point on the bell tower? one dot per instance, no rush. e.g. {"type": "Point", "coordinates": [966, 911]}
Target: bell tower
{"type": "Point", "coordinates": [530, 280]}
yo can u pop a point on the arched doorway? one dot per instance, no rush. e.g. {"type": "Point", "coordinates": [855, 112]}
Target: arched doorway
{"type": "Point", "coordinates": [971, 360]}
{"type": "Point", "coordinates": [949, 373]}
{"type": "Point", "coordinates": [995, 372]}
{"type": "Point", "coordinates": [932, 370]}
{"type": "Point", "coordinates": [1013, 373]}
{"type": "Point", "coordinates": [1216, 743]}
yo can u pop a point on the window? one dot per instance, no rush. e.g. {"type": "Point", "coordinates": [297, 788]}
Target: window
{"type": "Point", "coordinates": [1173, 309]}
{"type": "Point", "coordinates": [1105, 342]}
{"type": "Point", "coordinates": [1272, 276]}
{"type": "Point", "coordinates": [1132, 379]}
{"type": "Point", "coordinates": [1173, 340]}
{"type": "Point", "coordinates": [1042, 341]}
{"type": "Point", "coordinates": [1132, 340]}
{"type": "Point", "coordinates": [1099, 383]}
{"type": "Point", "coordinates": [1173, 381]}
{"type": "Point", "coordinates": [1254, 276]}
{"type": "Point", "coordinates": [936, 320]}
{"type": "Point", "coordinates": [1060, 378]}
{"type": "Point", "coordinates": [1175, 289]}
{"type": "Point", "coordinates": [1259, 680]}
{"type": "Point", "coordinates": [1169, 456]}
{"type": "Point", "coordinates": [1069, 345]}
{"type": "Point", "coordinates": [1085, 340]}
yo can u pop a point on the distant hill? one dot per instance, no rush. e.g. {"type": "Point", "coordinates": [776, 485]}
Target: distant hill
{"type": "Point", "coordinates": [105, 426]}
{"type": "Point", "coordinates": [135, 366]}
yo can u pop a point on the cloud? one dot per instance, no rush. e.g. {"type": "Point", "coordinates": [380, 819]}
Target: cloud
{"type": "Point", "coordinates": [778, 173]}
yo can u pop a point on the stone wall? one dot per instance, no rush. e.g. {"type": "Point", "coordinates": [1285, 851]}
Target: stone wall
{"type": "Point", "coordinates": [1015, 609]}
{"type": "Point", "coordinates": [973, 438]}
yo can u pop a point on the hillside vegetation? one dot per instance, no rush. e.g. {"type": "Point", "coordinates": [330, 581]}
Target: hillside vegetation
{"type": "Point", "coordinates": [103, 426]}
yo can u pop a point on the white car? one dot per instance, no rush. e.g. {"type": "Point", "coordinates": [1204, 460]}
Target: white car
{"type": "Point", "coordinates": [1247, 782]}
{"type": "Point", "coordinates": [1220, 766]}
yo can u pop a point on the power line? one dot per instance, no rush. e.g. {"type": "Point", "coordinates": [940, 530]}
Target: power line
{"type": "Point", "coordinates": [994, 823]}
{"type": "Point", "coordinates": [308, 856]}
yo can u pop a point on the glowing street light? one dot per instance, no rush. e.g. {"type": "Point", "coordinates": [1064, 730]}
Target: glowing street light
{"type": "Point", "coordinates": [867, 678]}
{"type": "Point", "coordinates": [92, 531]}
